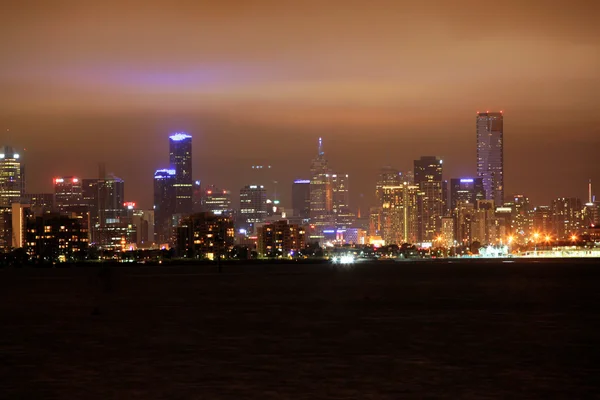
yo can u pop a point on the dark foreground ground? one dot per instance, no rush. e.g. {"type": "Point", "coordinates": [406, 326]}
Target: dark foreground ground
{"type": "Point", "coordinates": [377, 331]}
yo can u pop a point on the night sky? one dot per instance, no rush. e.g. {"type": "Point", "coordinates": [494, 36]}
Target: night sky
{"type": "Point", "coordinates": [383, 82]}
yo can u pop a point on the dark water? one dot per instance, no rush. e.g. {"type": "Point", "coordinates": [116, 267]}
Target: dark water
{"type": "Point", "coordinates": [379, 331]}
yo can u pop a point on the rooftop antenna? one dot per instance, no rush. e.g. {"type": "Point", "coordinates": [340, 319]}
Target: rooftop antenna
{"type": "Point", "coordinates": [321, 146]}
{"type": "Point", "coordinates": [590, 191]}
{"type": "Point", "coordinates": [102, 170]}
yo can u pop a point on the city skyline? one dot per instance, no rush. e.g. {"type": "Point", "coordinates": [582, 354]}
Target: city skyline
{"type": "Point", "coordinates": [359, 200]}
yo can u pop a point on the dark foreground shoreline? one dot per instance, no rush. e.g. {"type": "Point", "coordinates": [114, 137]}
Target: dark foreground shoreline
{"type": "Point", "coordinates": [475, 329]}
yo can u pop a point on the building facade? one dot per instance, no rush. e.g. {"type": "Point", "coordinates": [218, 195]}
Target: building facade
{"type": "Point", "coordinates": [280, 239]}
{"type": "Point", "coordinates": [164, 205]}
{"type": "Point", "coordinates": [321, 192]}
{"type": "Point", "coordinates": [428, 177]}
{"type": "Point", "coordinates": [253, 206]}
{"type": "Point", "coordinates": [205, 235]}
{"type": "Point", "coordinates": [301, 198]}
{"type": "Point", "coordinates": [12, 177]}
{"type": "Point", "coordinates": [180, 157]}
{"type": "Point", "coordinates": [490, 154]}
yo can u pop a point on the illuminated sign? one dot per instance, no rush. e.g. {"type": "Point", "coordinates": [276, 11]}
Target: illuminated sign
{"type": "Point", "coordinates": [466, 180]}
{"type": "Point", "coordinates": [302, 181]}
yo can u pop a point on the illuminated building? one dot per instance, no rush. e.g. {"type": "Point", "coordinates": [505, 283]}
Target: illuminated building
{"type": "Point", "coordinates": [341, 201]}
{"type": "Point", "coordinates": [486, 227]}
{"type": "Point", "coordinates": [375, 221]}
{"type": "Point", "coordinates": [253, 206]}
{"type": "Point", "coordinates": [388, 176]}
{"type": "Point", "coordinates": [321, 191]}
{"type": "Point", "coordinates": [143, 220]}
{"type": "Point", "coordinates": [217, 201]}
{"type": "Point", "coordinates": [280, 239]}
{"type": "Point", "coordinates": [205, 235]}
{"type": "Point", "coordinates": [12, 179]}
{"type": "Point", "coordinates": [40, 203]}
{"type": "Point", "coordinates": [446, 238]}
{"type": "Point", "coordinates": [180, 157]}
{"type": "Point", "coordinates": [105, 198]}
{"type": "Point", "coordinates": [399, 214]}
{"type": "Point", "coordinates": [68, 194]}
{"type": "Point", "coordinates": [542, 220]}
{"type": "Point", "coordinates": [521, 218]}
{"type": "Point", "coordinates": [20, 212]}
{"type": "Point", "coordinates": [567, 217]}
{"type": "Point", "coordinates": [465, 215]}
{"type": "Point", "coordinates": [490, 154]}
{"type": "Point", "coordinates": [164, 204]}
{"type": "Point", "coordinates": [428, 177]}
{"type": "Point", "coordinates": [54, 237]}
{"type": "Point", "coordinates": [465, 190]}
{"type": "Point", "coordinates": [301, 198]}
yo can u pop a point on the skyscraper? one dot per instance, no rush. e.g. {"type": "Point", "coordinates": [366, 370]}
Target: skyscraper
{"type": "Point", "coordinates": [321, 192]}
{"type": "Point", "coordinates": [399, 213]}
{"type": "Point", "coordinates": [490, 155]}
{"type": "Point", "coordinates": [428, 177]}
{"type": "Point", "coordinates": [253, 206]}
{"type": "Point", "coordinates": [12, 181]}
{"type": "Point", "coordinates": [301, 198]}
{"type": "Point", "coordinates": [164, 204]}
{"type": "Point", "coordinates": [180, 157]}
{"type": "Point", "coordinates": [68, 194]}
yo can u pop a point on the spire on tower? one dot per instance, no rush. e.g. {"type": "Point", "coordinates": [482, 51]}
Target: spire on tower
{"type": "Point", "coordinates": [321, 146]}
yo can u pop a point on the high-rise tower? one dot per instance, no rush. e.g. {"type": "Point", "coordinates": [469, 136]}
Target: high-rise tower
{"type": "Point", "coordinates": [490, 154]}
{"type": "Point", "coordinates": [428, 177]}
{"type": "Point", "coordinates": [12, 181]}
{"type": "Point", "coordinates": [164, 204]}
{"type": "Point", "coordinates": [180, 157]}
{"type": "Point", "coordinates": [321, 191]}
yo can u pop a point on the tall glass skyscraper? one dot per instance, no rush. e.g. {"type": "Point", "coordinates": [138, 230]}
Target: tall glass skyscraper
{"type": "Point", "coordinates": [164, 204]}
{"type": "Point", "coordinates": [321, 191]}
{"type": "Point", "coordinates": [428, 177]}
{"type": "Point", "coordinates": [180, 157]}
{"type": "Point", "coordinates": [490, 155]}
{"type": "Point", "coordinates": [12, 181]}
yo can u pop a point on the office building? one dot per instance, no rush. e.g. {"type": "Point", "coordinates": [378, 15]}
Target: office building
{"type": "Point", "coordinates": [253, 206]}
{"type": "Point", "coordinates": [542, 220]}
{"type": "Point", "coordinates": [164, 205]}
{"type": "Point", "coordinates": [465, 190]}
{"type": "Point", "coordinates": [12, 177]}
{"type": "Point", "coordinates": [217, 201]}
{"type": "Point", "coordinates": [399, 214]}
{"type": "Point", "coordinates": [68, 194]}
{"type": "Point", "coordinates": [180, 157]}
{"type": "Point", "coordinates": [321, 192]}
{"type": "Point", "coordinates": [490, 154]}
{"type": "Point", "coordinates": [280, 239]}
{"type": "Point", "coordinates": [465, 216]}
{"type": "Point", "coordinates": [567, 217]}
{"type": "Point", "coordinates": [340, 189]}
{"type": "Point", "coordinates": [521, 218]}
{"type": "Point", "coordinates": [301, 198]}
{"type": "Point", "coordinates": [205, 235]}
{"type": "Point", "coordinates": [428, 177]}
{"type": "Point", "coordinates": [448, 230]}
